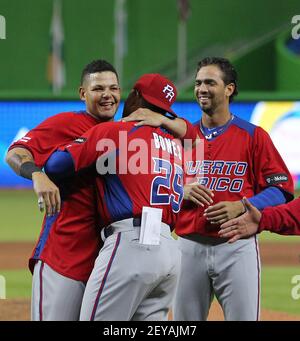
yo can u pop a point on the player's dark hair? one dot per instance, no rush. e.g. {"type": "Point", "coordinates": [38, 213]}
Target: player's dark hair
{"type": "Point", "coordinates": [229, 72]}
{"type": "Point", "coordinates": [99, 65]}
{"type": "Point", "coordinates": [146, 104]}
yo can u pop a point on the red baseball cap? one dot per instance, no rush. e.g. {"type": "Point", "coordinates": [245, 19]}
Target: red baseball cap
{"type": "Point", "coordinates": [157, 90]}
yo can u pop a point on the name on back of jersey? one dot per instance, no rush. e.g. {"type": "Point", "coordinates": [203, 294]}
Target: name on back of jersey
{"type": "Point", "coordinates": [167, 145]}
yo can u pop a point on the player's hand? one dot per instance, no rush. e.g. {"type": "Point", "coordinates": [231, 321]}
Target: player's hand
{"type": "Point", "coordinates": [198, 194]}
{"type": "Point", "coordinates": [47, 193]}
{"type": "Point", "coordinates": [223, 211]}
{"type": "Point", "coordinates": [242, 227]}
{"type": "Point", "coordinates": [145, 117]}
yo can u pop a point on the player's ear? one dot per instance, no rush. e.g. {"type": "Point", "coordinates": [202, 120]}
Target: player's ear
{"type": "Point", "coordinates": [229, 89]}
{"type": "Point", "coordinates": [81, 91]}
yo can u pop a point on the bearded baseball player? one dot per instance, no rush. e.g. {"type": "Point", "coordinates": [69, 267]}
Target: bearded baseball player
{"type": "Point", "coordinates": [139, 196]}
{"type": "Point", "coordinates": [240, 160]}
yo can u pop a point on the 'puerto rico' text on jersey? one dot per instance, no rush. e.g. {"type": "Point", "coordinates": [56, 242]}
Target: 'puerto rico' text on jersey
{"type": "Point", "coordinates": [218, 175]}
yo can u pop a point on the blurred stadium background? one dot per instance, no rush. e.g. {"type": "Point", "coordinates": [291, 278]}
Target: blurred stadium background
{"type": "Point", "coordinates": [45, 44]}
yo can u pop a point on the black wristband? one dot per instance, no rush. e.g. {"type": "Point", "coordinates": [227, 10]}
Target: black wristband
{"type": "Point", "coordinates": [28, 168]}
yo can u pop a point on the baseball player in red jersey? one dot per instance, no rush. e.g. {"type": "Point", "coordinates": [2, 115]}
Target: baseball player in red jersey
{"type": "Point", "coordinates": [69, 242]}
{"type": "Point", "coordinates": [135, 274]}
{"type": "Point", "coordinates": [240, 160]}
{"type": "Point", "coordinates": [283, 219]}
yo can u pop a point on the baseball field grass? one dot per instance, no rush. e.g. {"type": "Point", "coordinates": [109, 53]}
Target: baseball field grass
{"type": "Point", "coordinates": [18, 283]}
{"type": "Point", "coordinates": [21, 222]}
{"type": "Point", "coordinates": [20, 218]}
{"type": "Point", "coordinates": [278, 291]}
{"type": "Point", "coordinates": [273, 237]}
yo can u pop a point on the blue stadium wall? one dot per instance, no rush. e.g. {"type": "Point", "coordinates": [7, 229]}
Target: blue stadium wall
{"type": "Point", "coordinates": [279, 119]}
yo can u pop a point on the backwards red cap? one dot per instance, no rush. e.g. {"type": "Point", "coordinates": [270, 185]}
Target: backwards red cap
{"type": "Point", "coordinates": [157, 90]}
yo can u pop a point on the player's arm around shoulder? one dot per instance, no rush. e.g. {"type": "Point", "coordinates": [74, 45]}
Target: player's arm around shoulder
{"type": "Point", "coordinates": [177, 126]}
{"type": "Point", "coordinates": [84, 152]}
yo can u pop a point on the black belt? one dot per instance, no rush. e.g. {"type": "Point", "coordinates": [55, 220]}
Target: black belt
{"type": "Point", "coordinates": [108, 231]}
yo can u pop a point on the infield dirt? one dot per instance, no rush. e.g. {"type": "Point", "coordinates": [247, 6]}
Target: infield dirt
{"type": "Point", "coordinates": [15, 255]}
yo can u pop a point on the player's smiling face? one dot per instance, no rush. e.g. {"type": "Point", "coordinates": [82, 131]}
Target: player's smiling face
{"type": "Point", "coordinates": [101, 93]}
{"type": "Point", "coordinates": [210, 90]}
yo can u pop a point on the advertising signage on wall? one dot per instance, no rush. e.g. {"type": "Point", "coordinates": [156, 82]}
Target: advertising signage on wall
{"type": "Point", "coordinates": [280, 119]}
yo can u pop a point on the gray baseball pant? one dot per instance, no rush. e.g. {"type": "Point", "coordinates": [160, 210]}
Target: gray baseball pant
{"type": "Point", "coordinates": [211, 266]}
{"type": "Point", "coordinates": [132, 281]}
{"type": "Point", "coordinates": [54, 296]}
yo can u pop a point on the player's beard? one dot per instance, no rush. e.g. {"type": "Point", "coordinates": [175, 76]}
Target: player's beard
{"type": "Point", "coordinates": [211, 106]}
{"type": "Point", "coordinates": [208, 108]}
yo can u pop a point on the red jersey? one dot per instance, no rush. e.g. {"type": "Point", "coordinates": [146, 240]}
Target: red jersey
{"type": "Point", "coordinates": [69, 241]}
{"type": "Point", "coordinates": [282, 219]}
{"type": "Point", "coordinates": [144, 168]}
{"type": "Point", "coordinates": [238, 163]}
